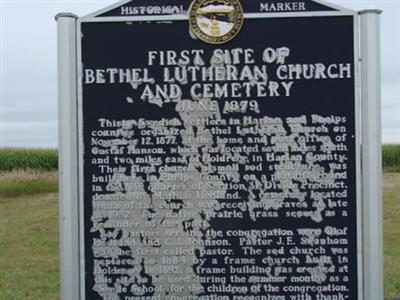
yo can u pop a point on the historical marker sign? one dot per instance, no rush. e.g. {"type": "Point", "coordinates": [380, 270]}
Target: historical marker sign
{"type": "Point", "coordinates": [219, 163]}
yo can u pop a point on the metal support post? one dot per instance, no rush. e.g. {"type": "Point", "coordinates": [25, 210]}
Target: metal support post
{"type": "Point", "coordinates": [371, 154]}
{"type": "Point", "coordinates": [68, 156]}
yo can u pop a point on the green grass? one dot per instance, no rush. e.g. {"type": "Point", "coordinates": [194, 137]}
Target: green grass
{"type": "Point", "coordinates": [19, 183]}
{"type": "Point", "coordinates": [28, 159]}
{"type": "Point", "coordinates": [391, 158]}
{"type": "Point", "coordinates": [29, 236]}
{"type": "Point", "coordinates": [13, 189]}
{"type": "Point", "coordinates": [29, 247]}
{"type": "Point", "coordinates": [392, 235]}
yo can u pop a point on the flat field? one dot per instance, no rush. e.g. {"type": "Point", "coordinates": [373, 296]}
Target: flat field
{"type": "Point", "coordinates": [29, 235]}
{"type": "Point", "coordinates": [29, 264]}
{"type": "Point", "coordinates": [391, 235]}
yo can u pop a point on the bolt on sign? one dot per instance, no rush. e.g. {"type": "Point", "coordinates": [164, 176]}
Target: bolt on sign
{"type": "Point", "coordinates": [218, 148]}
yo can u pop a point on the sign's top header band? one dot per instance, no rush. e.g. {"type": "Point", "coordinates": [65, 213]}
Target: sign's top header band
{"type": "Point", "coordinates": [153, 8]}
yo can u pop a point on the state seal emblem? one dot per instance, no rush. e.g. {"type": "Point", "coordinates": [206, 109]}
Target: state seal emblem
{"type": "Point", "coordinates": [215, 21]}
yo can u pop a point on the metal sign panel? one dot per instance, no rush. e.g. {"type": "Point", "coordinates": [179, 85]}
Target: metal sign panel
{"type": "Point", "coordinates": [220, 171]}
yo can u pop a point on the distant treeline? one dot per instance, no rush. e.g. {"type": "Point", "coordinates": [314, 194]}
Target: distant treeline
{"type": "Point", "coordinates": [46, 159]}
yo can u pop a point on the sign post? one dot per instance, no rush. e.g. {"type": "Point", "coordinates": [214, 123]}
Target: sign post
{"type": "Point", "coordinates": [68, 156]}
{"type": "Point", "coordinates": [372, 153]}
{"type": "Point", "coordinates": [219, 152]}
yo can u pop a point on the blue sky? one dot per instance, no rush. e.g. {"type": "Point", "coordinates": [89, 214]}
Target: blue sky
{"type": "Point", "coordinates": [28, 67]}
